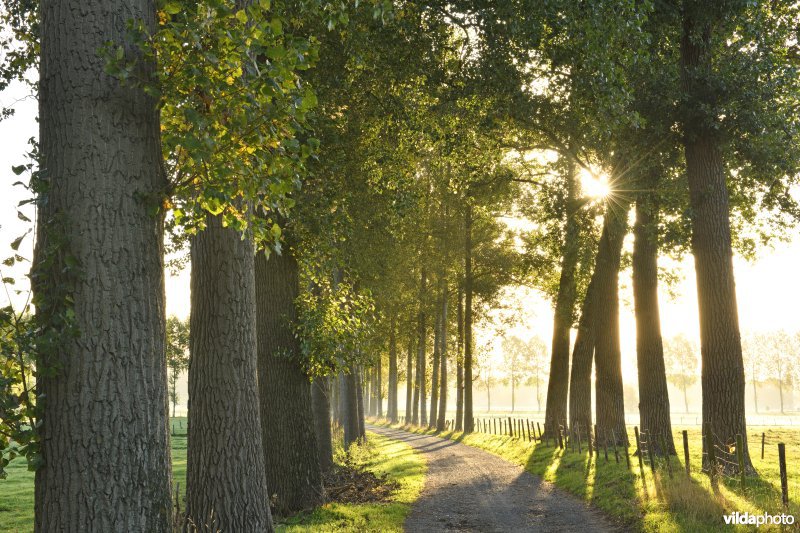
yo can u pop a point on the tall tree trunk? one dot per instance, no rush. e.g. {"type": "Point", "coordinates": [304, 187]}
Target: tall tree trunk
{"type": "Point", "coordinates": [225, 490]}
{"type": "Point", "coordinates": [378, 384]}
{"type": "Point", "coordinates": [287, 420]}
{"type": "Point", "coordinates": [755, 394]}
{"type": "Point", "coordinates": [558, 382]}
{"type": "Point", "coordinates": [435, 369]}
{"type": "Point", "coordinates": [441, 421]}
{"type": "Point", "coordinates": [580, 379]}
{"type": "Point", "coordinates": [104, 434]}
{"type": "Point", "coordinates": [685, 398]}
{"type": "Point", "coordinates": [419, 392]}
{"type": "Point", "coordinates": [653, 393]}
{"type": "Point", "coordinates": [349, 407]}
{"type": "Point", "coordinates": [722, 375]}
{"type": "Point", "coordinates": [609, 405]}
{"type": "Point", "coordinates": [391, 408]}
{"type": "Point", "coordinates": [469, 420]}
{"type": "Point", "coordinates": [333, 390]}
{"type": "Point", "coordinates": [410, 377]}
{"type": "Point", "coordinates": [513, 394]}
{"type": "Point", "coordinates": [367, 392]}
{"type": "Point", "coordinates": [360, 404]}
{"type": "Point", "coordinates": [320, 402]}
{"type": "Point", "coordinates": [460, 361]}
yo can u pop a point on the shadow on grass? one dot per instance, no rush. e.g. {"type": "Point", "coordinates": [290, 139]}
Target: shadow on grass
{"type": "Point", "coordinates": [641, 499]}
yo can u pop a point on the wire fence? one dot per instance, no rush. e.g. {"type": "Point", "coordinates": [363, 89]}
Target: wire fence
{"type": "Point", "coordinates": [721, 460]}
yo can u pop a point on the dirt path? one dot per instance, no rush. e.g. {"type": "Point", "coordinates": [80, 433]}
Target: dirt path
{"type": "Point", "coordinates": [467, 489]}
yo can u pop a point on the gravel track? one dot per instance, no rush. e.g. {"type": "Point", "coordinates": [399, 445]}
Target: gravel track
{"type": "Point", "coordinates": [468, 489]}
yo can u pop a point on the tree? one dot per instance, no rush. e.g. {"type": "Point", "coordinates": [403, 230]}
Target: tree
{"type": "Point", "coordinates": [681, 357]}
{"type": "Point", "coordinates": [781, 360]}
{"type": "Point", "coordinates": [287, 421]}
{"type": "Point", "coordinates": [177, 354]}
{"type": "Point", "coordinates": [609, 399]}
{"type": "Point", "coordinates": [538, 367]}
{"type": "Point", "coordinates": [654, 404]}
{"type": "Point", "coordinates": [98, 264]}
{"type": "Point", "coordinates": [754, 358]}
{"type": "Point", "coordinates": [227, 491]}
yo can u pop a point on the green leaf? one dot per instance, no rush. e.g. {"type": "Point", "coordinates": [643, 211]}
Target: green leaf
{"type": "Point", "coordinates": [17, 242]}
{"type": "Point", "coordinates": [241, 16]}
{"type": "Point", "coordinates": [265, 4]}
{"type": "Point", "coordinates": [173, 8]}
{"type": "Point", "coordinates": [18, 169]}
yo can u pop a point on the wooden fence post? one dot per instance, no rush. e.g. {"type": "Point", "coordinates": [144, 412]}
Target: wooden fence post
{"type": "Point", "coordinates": [686, 452]}
{"type": "Point", "coordinates": [649, 441]}
{"type": "Point", "coordinates": [740, 456]}
{"type": "Point", "coordinates": [784, 478]}
{"type": "Point", "coordinates": [639, 449]}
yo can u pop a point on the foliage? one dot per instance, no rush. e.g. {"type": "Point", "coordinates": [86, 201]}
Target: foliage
{"type": "Point", "coordinates": [680, 355]}
{"type": "Point", "coordinates": [177, 354]}
{"type": "Point", "coordinates": [334, 319]}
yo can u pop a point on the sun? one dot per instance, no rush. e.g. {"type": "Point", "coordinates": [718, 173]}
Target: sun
{"type": "Point", "coordinates": [594, 184]}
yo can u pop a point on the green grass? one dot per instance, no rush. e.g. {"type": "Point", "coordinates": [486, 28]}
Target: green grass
{"type": "Point", "coordinates": [382, 456]}
{"type": "Point", "coordinates": [660, 503]}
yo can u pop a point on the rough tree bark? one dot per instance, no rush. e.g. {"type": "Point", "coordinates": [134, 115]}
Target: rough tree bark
{"type": "Point", "coordinates": [460, 361]}
{"type": "Point", "coordinates": [321, 405]}
{"type": "Point", "coordinates": [441, 421]}
{"type": "Point", "coordinates": [228, 490]}
{"type": "Point", "coordinates": [558, 382]}
{"type": "Point", "coordinates": [287, 421]}
{"type": "Point", "coordinates": [367, 393]}
{"type": "Point", "coordinates": [420, 409]}
{"type": "Point", "coordinates": [378, 385]}
{"type": "Point", "coordinates": [410, 375]}
{"type": "Point", "coordinates": [722, 375]}
{"type": "Point", "coordinates": [580, 379]}
{"type": "Point", "coordinates": [391, 408]}
{"type": "Point", "coordinates": [469, 420]}
{"type": "Point", "coordinates": [361, 431]}
{"type": "Point", "coordinates": [435, 369]}
{"type": "Point", "coordinates": [104, 438]}
{"type": "Point", "coordinates": [609, 406]}
{"type": "Point", "coordinates": [653, 394]}
{"type": "Point", "coordinates": [349, 406]}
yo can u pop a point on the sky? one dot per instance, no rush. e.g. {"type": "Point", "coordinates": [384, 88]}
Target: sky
{"type": "Point", "coordinates": [768, 289]}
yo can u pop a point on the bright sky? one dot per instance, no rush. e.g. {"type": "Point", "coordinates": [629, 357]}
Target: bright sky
{"type": "Point", "coordinates": [768, 289]}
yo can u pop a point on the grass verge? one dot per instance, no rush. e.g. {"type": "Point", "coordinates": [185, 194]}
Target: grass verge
{"type": "Point", "coordinates": [382, 456]}
{"type": "Point", "coordinates": [657, 503]}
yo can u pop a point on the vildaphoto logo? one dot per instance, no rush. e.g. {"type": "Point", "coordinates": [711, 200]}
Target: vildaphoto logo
{"type": "Point", "coordinates": [758, 520]}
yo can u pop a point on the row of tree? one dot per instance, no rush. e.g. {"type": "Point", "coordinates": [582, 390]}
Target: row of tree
{"type": "Point", "coordinates": [341, 177]}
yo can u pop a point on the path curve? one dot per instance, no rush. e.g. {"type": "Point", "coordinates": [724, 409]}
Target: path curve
{"type": "Point", "coordinates": [468, 489]}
